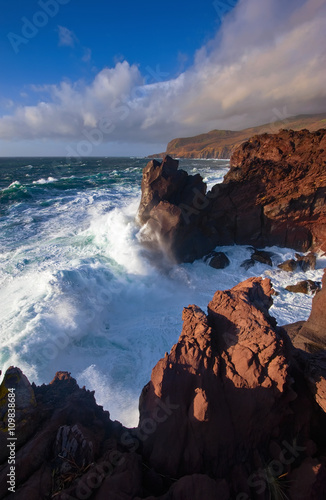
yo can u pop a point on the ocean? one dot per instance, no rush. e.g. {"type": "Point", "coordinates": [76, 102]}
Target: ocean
{"type": "Point", "coordinates": [79, 293]}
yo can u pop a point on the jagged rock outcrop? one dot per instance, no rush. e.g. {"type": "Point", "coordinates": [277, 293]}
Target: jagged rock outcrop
{"type": "Point", "coordinates": [166, 191]}
{"type": "Point", "coordinates": [274, 194]}
{"type": "Point", "coordinates": [310, 335]}
{"type": "Point", "coordinates": [234, 411]}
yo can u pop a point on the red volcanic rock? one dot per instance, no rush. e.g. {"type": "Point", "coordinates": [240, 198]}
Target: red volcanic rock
{"type": "Point", "coordinates": [227, 385]}
{"type": "Point", "coordinates": [285, 175]}
{"type": "Point", "coordinates": [274, 194]}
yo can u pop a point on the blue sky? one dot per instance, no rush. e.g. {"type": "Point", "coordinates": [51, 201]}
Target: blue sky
{"type": "Point", "coordinates": [125, 77]}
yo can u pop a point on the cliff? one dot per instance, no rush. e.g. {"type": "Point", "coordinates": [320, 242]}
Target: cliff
{"type": "Point", "coordinates": [233, 411]}
{"type": "Point", "coordinates": [273, 194]}
{"type": "Point", "coordinates": [222, 143]}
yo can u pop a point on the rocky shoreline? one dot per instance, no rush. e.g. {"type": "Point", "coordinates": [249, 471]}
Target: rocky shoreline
{"type": "Point", "coordinates": [274, 194]}
{"type": "Point", "coordinates": [236, 410]}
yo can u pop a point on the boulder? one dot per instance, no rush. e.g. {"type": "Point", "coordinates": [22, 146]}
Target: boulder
{"type": "Point", "coordinates": [263, 257]}
{"type": "Point", "coordinates": [170, 203]}
{"type": "Point", "coordinates": [306, 262]}
{"type": "Point", "coordinates": [289, 265]}
{"type": "Point", "coordinates": [301, 262]}
{"type": "Point", "coordinates": [305, 286]}
{"type": "Point", "coordinates": [218, 260]}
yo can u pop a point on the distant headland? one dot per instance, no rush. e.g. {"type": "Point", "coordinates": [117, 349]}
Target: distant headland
{"type": "Point", "coordinates": [222, 143]}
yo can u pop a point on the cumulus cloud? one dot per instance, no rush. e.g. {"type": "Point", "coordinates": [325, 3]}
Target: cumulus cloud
{"type": "Point", "coordinates": [267, 60]}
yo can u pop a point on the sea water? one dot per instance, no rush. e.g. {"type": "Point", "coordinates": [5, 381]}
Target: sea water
{"type": "Point", "coordinates": [77, 291]}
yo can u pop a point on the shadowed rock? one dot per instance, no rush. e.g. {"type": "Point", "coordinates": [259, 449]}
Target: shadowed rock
{"type": "Point", "coordinates": [231, 403]}
{"type": "Point", "coordinates": [310, 335]}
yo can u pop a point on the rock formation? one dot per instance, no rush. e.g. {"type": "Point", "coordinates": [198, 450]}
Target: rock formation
{"type": "Point", "coordinates": [310, 335]}
{"type": "Point", "coordinates": [233, 412]}
{"type": "Point", "coordinates": [274, 194]}
{"type": "Point", "coordinates": [166, 192]}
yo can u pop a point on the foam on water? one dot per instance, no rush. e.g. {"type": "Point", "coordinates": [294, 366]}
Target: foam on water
{"type": "Point", "coordinates": [77, 292]}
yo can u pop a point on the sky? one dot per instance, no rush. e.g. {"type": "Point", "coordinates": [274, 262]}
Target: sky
{"type": "Point", "coordinates": [94, 78]}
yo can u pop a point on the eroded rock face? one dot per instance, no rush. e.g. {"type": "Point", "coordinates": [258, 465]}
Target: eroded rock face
{"type": "Point", "coordinates": [166, 194]}
{"type": "Point", "coordinates": [274, 194]}
{"type": "Point", "coordinates": [310, 335]}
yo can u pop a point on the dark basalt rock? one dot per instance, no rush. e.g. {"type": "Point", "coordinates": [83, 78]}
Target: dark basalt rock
{"type": "Point", "coordinates": [301, 262]}
{"type": "Point", "coordinates": [263, 257]}
{"type": "Point", "coordinates": [306, 262]}
{"type": "Point", "coordinates": [289, 265]}
{"type": "Point", "coordinates": [218, 260]}
{"type": "Point", "coordinates": [305, 286]}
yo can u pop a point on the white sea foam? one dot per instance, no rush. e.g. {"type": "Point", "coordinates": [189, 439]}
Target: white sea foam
{"type": "Point", "coordinates": [45, 181]}
{"type": "Point", "coordinates": [78, 294]}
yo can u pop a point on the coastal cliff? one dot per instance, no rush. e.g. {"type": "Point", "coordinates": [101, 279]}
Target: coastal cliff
{"type": "Point", "coordinates": [234, 411]}
{"type": "Point", "coordinates": [222, 143]}
{"type": "Point", "coordinates": [273, 194]}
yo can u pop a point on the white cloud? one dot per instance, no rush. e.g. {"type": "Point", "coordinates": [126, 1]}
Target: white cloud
{"type": "Point", "coordinates": [268, 56]}
{"type": "Point", "coordinates": [67, 38]}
